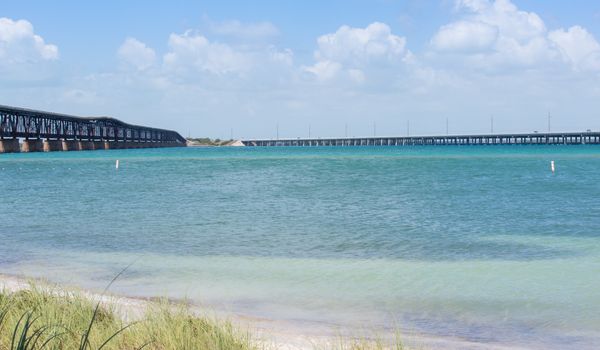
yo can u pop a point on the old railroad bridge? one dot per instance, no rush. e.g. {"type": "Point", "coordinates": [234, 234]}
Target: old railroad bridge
{"type": "Point", "coordinates": [25, 130]}
{"type": "Point", "coordinates": [567, 138]}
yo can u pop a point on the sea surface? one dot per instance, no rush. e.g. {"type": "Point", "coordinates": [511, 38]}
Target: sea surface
{"type": "Point", "coordinates": [482, 243]}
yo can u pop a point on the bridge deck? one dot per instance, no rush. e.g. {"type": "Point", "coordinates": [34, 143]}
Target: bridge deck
{"type": "Point", "coordinates": [567, 138]}
{"type": "Point", "coordinates": [30, 125]}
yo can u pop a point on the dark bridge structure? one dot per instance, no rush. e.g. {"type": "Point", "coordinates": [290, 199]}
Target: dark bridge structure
{"type": "Point", "coordinates": [26, 130]}
{"type": "Point", "coordinates": [535, 138]}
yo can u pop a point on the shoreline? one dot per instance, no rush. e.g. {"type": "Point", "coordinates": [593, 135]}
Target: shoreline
{"type": "Point", "coordinates": [278, 334]}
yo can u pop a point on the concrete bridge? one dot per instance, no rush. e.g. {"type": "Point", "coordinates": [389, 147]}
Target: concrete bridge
{"type": "Point", "coordinates": [26, 130]}
{"type": "Point", "coordinates": [567, 138]}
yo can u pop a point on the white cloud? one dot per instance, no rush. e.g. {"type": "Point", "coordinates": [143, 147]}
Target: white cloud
{"type": "Point", "coordinates": [467, 36]}
{"type": "Point", "coordinates": [191, 51]}
{"type": "Point", "coordinates": [19, 43]}
{"type": "Point", "coordinates": [284, 57]}
{"type": "Point", "coordinates": [192, 57]}
{"type": "Point", "coordinates": [355, 73]}
{"type": "Point", "coordinates": [512, 22]}
{"type": "Point", "coordinates": [324, 70]}
{"type": "Point", "coordinates": [355, 50]}
{"type": "Point", "coordinates": [246, 31]}
{"type": "Point", "coordinates": [495, 34]}
{"type": "Point", "coordinates": [232, 48]}
{"type": "Point", "coordinates": [359, 46]}
{"type": "Point", "coordinates": [578, 47]}
{"type": "Point", "coordinates": [135, 53]}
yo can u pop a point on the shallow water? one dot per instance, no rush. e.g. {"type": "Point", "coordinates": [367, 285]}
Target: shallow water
{"type": "Point", "coordinates": [482, 243]}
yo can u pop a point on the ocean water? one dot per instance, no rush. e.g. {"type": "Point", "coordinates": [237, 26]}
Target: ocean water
{"type": "Point", "coordinates": [479, 243]}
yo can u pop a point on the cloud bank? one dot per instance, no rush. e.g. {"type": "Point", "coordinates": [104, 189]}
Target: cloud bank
{"type": "Point", "coordinates": [20, 44]}
{"type": "Point", "coordinates": [496, 34]}
{"type": "Point", "coordinates": [492, 57]}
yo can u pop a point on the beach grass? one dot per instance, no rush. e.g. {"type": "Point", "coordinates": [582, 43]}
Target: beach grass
{"type": "Point", "coordinates": [39, 318]}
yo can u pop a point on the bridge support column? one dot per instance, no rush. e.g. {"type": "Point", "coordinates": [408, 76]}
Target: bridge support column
{"type": "Point", "coordinates": [85, 146]}
{"type": "Point", "coordinates": [52, 145]}
{"type": "Point", "coordinates": [113, 145]}
{"type": "Point", "coordinates": [32, 146]}
{"type": "Point", "coordinates": [70, 145]}
{"type": "Point", "coordinates": [10, 146]}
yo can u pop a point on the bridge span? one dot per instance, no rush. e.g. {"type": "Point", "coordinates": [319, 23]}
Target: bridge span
{"type": "Point", "coordinates": [565, 138]}
{"type": "Point", "coordinates": [26, 130]}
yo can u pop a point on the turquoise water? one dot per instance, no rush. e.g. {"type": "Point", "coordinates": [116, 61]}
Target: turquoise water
{"type": "Point", "coordinates": [481, 243]}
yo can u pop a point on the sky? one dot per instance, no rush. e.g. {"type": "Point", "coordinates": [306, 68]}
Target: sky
{"type": "Point", "coordinates": [250, 69]}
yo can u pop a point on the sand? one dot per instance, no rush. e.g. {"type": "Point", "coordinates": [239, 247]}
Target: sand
{"type": "Point", "coordinates": [278, 334]}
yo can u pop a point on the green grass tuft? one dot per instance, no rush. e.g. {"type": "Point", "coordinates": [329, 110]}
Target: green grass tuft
{"type": "Point", "coordinates": [38, 319]}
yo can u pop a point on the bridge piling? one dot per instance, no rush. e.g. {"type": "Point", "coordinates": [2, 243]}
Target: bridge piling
{"type": "Point", "coordinates": [9, 146]}
{"type": "Point", "coordinates": [85, 146]}
{"type": "Point", "coordinates": [97, 145]}
{"type": "Point", "coordinates": [35, 145]}
{"type": "Point", "coordinates": [70, 145]}
{"type": "Point", "coordinates": [52, 145]}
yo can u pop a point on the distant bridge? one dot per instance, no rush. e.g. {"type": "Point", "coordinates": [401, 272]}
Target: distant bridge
{"type": "Point", "coordinates": [26, 130]}
{"type": "Point", "coordinates": [566, 138]}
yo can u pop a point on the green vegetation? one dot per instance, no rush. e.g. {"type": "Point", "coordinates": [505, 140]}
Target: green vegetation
{"type": "Point", "coordinates": [38, 319]}
{"type": "Point", "coordinates": [41, 318]}
{"type": "Point", "coordinates": [205, 141]}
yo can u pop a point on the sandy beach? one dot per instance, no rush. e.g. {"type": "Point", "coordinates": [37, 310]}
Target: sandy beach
{"type": "Point", "coordinates": [271, 333]}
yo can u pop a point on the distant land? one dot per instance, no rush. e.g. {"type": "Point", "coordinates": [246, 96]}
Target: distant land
{"type": "Point", "coordinates": [205, 141]}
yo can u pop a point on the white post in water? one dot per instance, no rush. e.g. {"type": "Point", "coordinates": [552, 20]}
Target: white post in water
{"type": "Point", "coordinates": [552, 166]}
{"type": "Point", "coordinates": [117, 165]}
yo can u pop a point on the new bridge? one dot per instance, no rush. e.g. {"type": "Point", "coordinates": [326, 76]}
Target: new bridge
{"type": "Point", "coordinates": [535, 138]}
{"type": "Point", "coordinates": [26, 130]}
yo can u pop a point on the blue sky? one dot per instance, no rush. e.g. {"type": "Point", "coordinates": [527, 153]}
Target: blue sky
{"type": "Point", "coordinates": [206, 67]}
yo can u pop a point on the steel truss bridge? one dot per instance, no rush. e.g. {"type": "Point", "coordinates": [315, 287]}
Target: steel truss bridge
{"type": "Point", "coordinates": [28, 125]}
